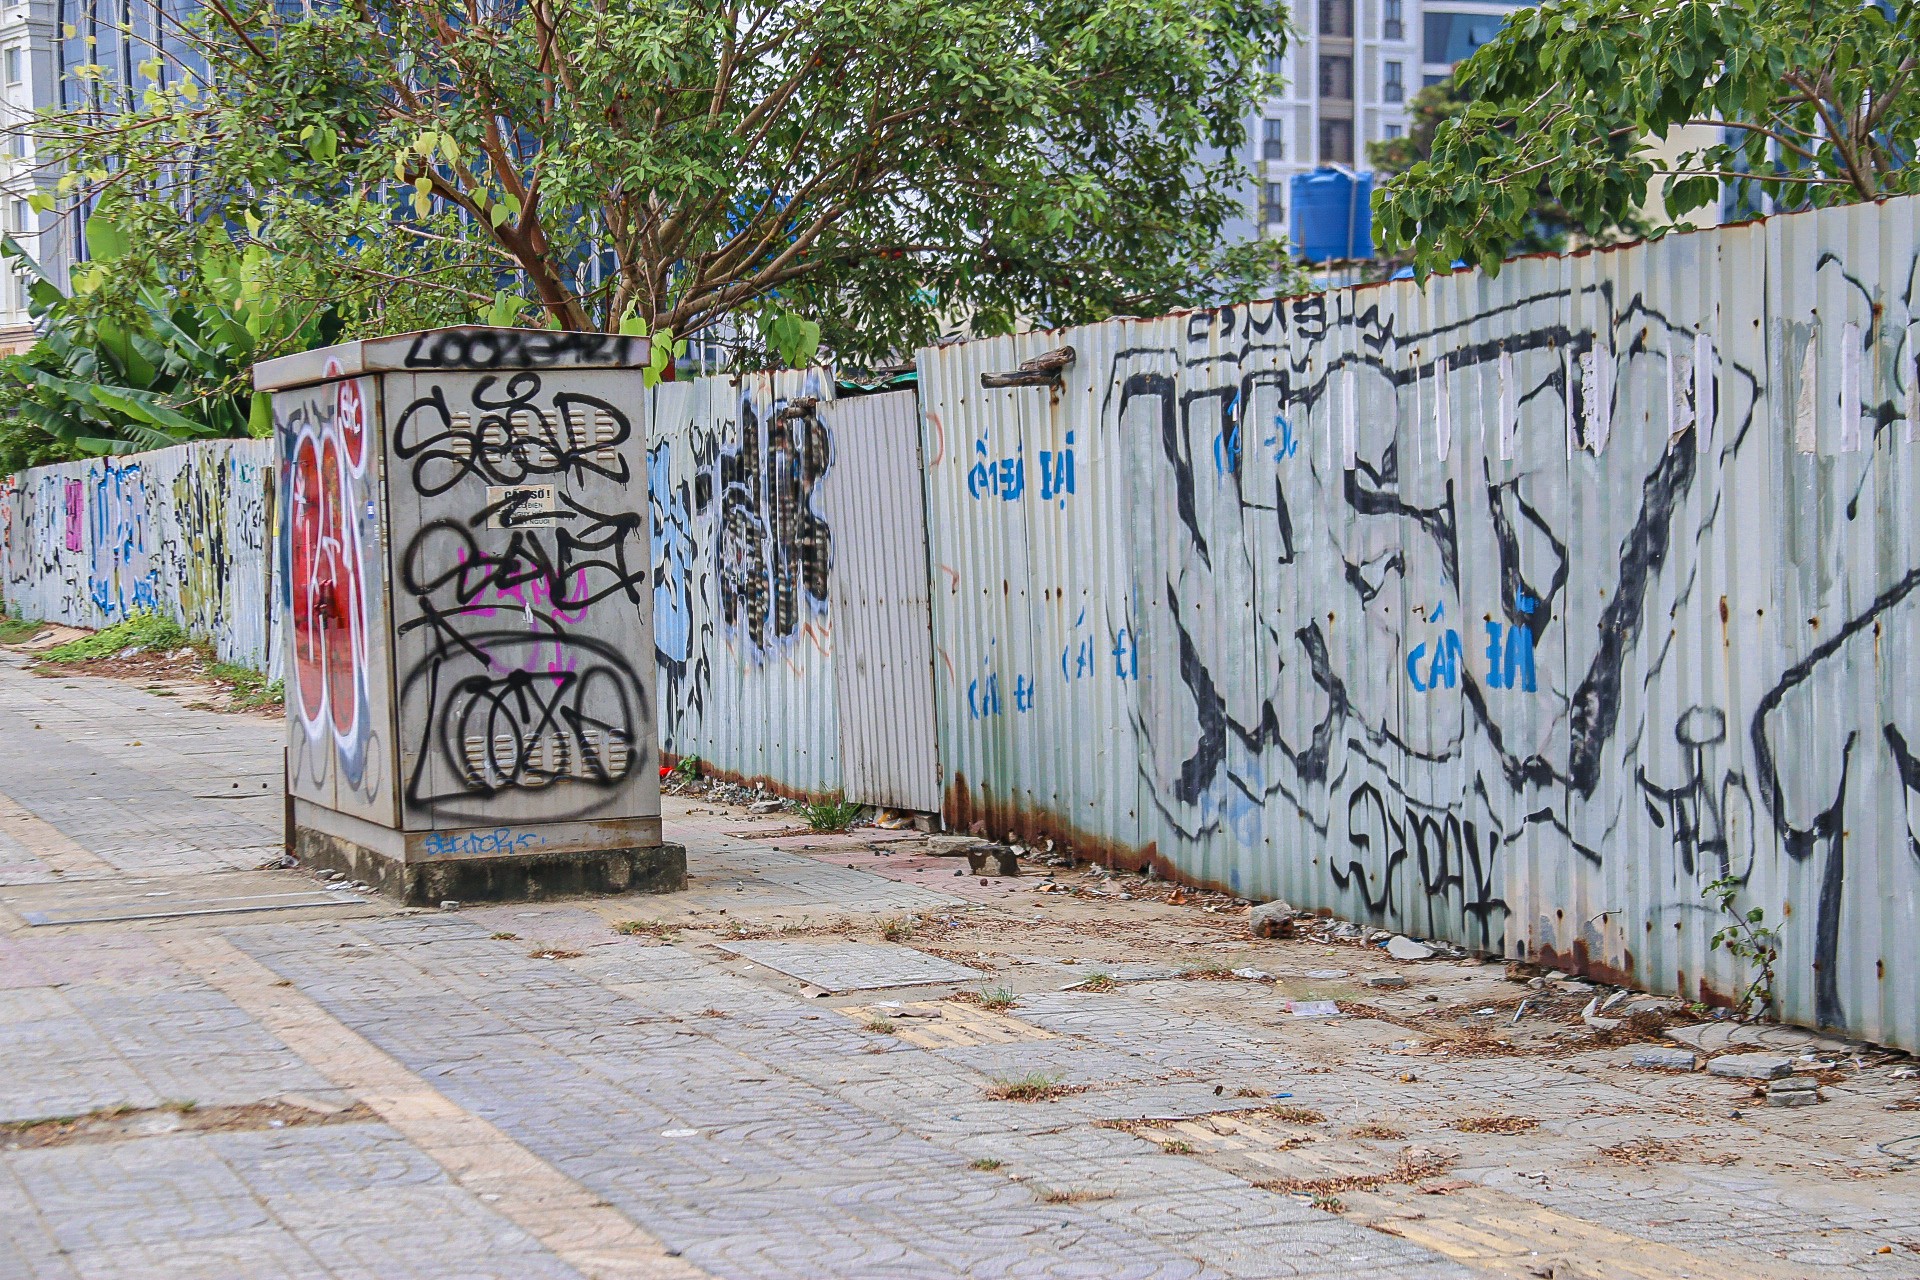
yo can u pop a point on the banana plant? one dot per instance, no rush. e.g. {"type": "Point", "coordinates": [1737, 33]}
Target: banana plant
{"type": "Point", "coordinates": [177, 370]}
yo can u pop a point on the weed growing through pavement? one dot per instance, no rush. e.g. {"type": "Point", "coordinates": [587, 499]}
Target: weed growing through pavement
{"type": "Point", "coordinates": [1177, 1147]}
{"type": "Point", "coordinates": [1096, 981]}
{"type": "Point", "coordinates": [1036, 1086]}
{"type": "Point", "coordinates": [1746, 938]}
{"type": "Point", "coordinates": [552, 953]}
{"type": "Point", "coordinates": [505, 937]}
{"type": "Point", "coordinates": [898, 928]}
{"type": "Point", "coordinates": [833, 814]}
{"type": "Point", "coordinates": [881, 1024]}
{"type": "Point", "coordinates": [985, 1164]}
{"type": "Point", "coordinates": [997, 998]}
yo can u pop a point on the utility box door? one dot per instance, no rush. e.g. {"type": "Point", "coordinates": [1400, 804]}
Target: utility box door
{"type": "Point", "coordinates": [522, 597]}
{"type": "Point", "coordinates": [333, 595]}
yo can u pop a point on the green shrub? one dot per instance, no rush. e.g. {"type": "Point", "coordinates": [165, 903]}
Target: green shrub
{"type": "Point", "coordinates": [147, 631]}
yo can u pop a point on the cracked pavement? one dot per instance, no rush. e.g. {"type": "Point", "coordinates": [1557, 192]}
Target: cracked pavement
{"type": "Point", "coordinates": [767, 1076]}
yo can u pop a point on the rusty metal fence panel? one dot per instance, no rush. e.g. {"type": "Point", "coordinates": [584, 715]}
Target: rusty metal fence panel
{"type": "Point", "coordinates": [874, 499]}
{"type": "Point", "coordinates": [1510, 611]}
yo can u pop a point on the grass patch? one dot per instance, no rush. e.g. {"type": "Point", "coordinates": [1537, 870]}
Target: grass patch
{"type": "Point", "coordinates": [1096, 981]}
{"type": "Point", "coordinates": [647, 929]}
{"type": "Point", "coordinates": [1036, 1086]}
{"type": "Point", "coordinates": [831, 815]}
{"type": "Point", "coordinates": [1208, 970]}
{"type": "Point", "coordinates": [1296, 1115]}
{"type": "Point", "coordinates": [1178, 1147]}
{"type": "Point", "coordinates": [1380, 1132]}
{"type": "Point", "coordinates": [1496, 1124]}
{"type": "Point", "coordinates": [881, 1024]}
{"type": "Point", "coordinates": [145, 631]}
{"type": "Point", "coordinates": [985, 1164]}
{"type": "Point", "coordinates": [1645, 1152]}
{"type": "Point", "coordinates": [248, 689]}
{"type": "Point", "coordinates": [14, 630]}
{"type": "Point", "coordinates": [995, 998]}
{"type": "Point", "coordinates": [1412, 1166]}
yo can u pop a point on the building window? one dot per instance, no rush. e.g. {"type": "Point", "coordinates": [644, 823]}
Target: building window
{"type": "Point", "coordinates": [1393, 25]}
{"type": "Point", "coordinates": [13, 64]}
{"type": "Point", "coordinates": [1273, 203]}
{"type": "Point", "coordinates": [1452, 37]}
{"type": "Point", "coordinates": [1273, 140]}
{"type": "Point", "coordinates": [1336, 77]}
{"type": "Point", "coordinates": [1391, 131]}
{"type": "Point", "coordinates": [1277, 65]}
{"type": "Point", "coordinates": [1430, 81]}
{"type": "Point", "coordinates": [1336, 18]}
{"type": "Point", "coordinates": [18, 213]}
{"type": "Point", "coordinates": [1336, 141]}
{"type": "Point", "coordinates": [1393, 83]}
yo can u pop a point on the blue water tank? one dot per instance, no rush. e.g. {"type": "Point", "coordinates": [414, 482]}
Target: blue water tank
{"type": "Point", "coordinates": [1332, 215]}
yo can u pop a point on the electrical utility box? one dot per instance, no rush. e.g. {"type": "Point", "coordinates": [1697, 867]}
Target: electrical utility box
{"type": "Point", "coordinates": [465, 575]}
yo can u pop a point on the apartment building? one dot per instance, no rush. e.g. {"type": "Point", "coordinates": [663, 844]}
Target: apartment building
{"type": "Point", "coordinates": [1353, 67]}
{"type": "Point", "coordinates": [29, 83]}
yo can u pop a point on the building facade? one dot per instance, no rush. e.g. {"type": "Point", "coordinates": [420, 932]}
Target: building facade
{"type": "Point", "coordinates": [1351, 72]}
{"type": "Point", "coordinates": [29, 83]}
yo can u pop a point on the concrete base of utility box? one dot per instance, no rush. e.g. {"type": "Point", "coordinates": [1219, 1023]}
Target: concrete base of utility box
{"type": "Point", "coordinates": [491, 864]}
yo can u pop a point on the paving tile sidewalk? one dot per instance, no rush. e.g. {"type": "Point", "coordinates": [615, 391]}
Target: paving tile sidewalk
{"type": "Point", "coordinates": [537, 1094]}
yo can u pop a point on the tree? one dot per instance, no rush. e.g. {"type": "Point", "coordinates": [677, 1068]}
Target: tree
{"type": "Point", "coordinates": [1811, 104]}
{"type": "Point", "coordinates": [862, 171]}
{"type": "Point", "coordinates": [1548, 225]}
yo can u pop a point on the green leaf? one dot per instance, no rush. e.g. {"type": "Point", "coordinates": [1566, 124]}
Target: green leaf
{"type": "Point", "coordinates": [105, 240]}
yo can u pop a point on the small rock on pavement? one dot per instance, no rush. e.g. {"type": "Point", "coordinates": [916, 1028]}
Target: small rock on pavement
{"type": "Point", "coordinates": [1666, 1060]}
{"type": "Point", "coordinates": [1386, 981]}
{"type": "Point", "coordinates": [766, 806]}
{"type": "Point", "coordinates": [1750, 1066]}
{"type": "Point", "coordinates": [1793, 1091]}
{"type": "Point", "coordinates": [1401, 947]}
{"type": "Point", "coordinates": [1271, 920]}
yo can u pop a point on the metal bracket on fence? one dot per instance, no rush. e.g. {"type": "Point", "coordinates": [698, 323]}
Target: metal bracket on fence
{"type": "Point", "coordinates": [1044, 370]}
{"type": "Point", "coordinates": [798, 407]}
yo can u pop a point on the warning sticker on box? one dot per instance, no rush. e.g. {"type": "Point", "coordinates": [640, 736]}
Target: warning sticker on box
{"type": "Point", "coordinates": [522, 506]}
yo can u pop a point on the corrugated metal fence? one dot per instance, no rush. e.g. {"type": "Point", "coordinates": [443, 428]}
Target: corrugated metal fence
{"type": "Point", "coordinates": [180, 531]}
{"type": "Point", "coordinates": [1509, 611]}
